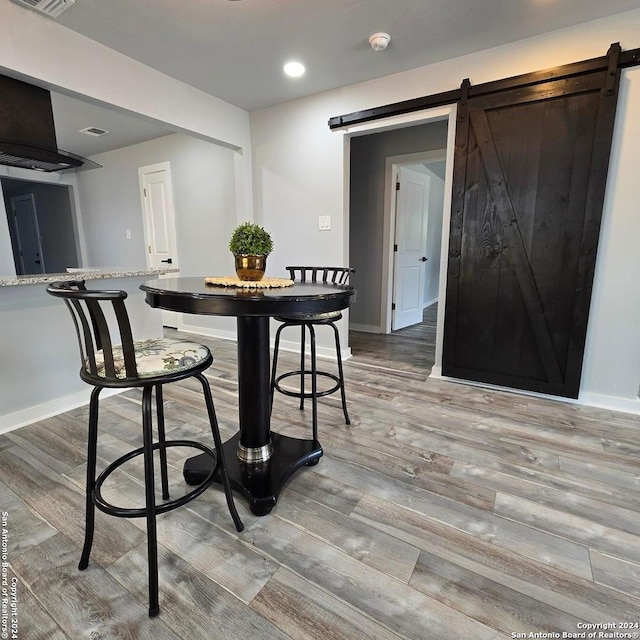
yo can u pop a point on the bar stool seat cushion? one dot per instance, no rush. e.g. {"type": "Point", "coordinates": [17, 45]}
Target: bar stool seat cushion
{"type": "Point", "coordinates": [155, 356]}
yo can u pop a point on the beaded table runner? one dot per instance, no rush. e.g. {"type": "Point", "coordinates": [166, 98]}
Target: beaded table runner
{"type": "Point", "coordinates": [234, 281]}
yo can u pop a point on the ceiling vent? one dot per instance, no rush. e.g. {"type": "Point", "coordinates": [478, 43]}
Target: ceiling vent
{"type": "Point", "coordinates": [51, 8]}
{"type": "Point", "coordinates": [94, 131]}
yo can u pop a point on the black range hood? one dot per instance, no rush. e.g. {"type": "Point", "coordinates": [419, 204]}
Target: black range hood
{"type": "Point", "coordinates": [27, 132]}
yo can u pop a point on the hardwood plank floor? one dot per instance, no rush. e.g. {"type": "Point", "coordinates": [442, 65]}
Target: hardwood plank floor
{"type": "Point", "coordinates": [444, 511]}
{"type": "Point", "coordinates": [412, 348]}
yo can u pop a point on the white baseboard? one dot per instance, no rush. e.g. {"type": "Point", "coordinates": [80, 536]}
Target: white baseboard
{"type": "Point", "coordinates": [365, 328]}
{"type": "Point", "coordinates": [206, 331]}
{"type": "Point", "coordinates": [588, 399]}
{"type": "Point", "coordinates": [428, 303]}
{"type": "Point", "coordinates": [626, 405]}
{"type": "Point", "coordinates": [17, 419]}
{"type": "Point", "coordinates": [327, 353]}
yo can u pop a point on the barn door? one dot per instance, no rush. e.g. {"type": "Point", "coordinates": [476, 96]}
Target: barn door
{"type": "Point", "coordinates": [529, 179]}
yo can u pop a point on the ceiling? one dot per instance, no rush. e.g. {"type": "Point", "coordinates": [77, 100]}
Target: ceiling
{"type": "Point", "coordinates": [235, 50]}
{"type": "Point", "coordinates": [70, 115]}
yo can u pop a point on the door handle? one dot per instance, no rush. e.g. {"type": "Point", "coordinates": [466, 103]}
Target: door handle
{"type": "Point", "coordinates": [168, 261]}
{"type": "Point", "coordinates": [423, 259]}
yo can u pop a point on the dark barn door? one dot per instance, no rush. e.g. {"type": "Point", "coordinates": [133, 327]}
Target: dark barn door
{"type": "Point", "coordinates": [529, 180]}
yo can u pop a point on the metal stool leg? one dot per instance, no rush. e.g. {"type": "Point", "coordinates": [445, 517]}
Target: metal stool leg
{"type": "Point", "coordinates": [152, 538]}
{"type": "Point", "coordinates": [220, 452]}
{"type": "Point", "coordinates": [314, 385]}
{"type": "Point", "coordinates": [341, 373]}
{"type": "Point", "coordinates": [90, 508]}
{"type": "Point", "coordinates": [161, 440]}
{"type": "Point", "coordinates": [302, 354]}
{"type": "Point", "coordinates": [274, 366]}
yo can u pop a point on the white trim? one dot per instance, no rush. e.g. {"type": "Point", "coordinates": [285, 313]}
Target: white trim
{"type": "Point", "coordinates": [325, 353]}
{"type": "Point", "coordinates": [626, 405]}
{"type": "Point", "coordinates": [448, 113]}
{"type": "Point", "coordinates": [428, 303]}
{"type": "Point", "coordinates": [398, 122]}
{"type": "Point", "coordinates": [365, 328]}
{"type": "Point", "coordinates": [38, 412]}
{"type": "Point", "coordinates": [614, 403]}
{"type": "Point", "coordinates": [207, 331]}
{"type": "Point", "coordinates": [446, 223]}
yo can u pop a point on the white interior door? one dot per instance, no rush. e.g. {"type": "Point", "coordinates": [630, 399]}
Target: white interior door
{"type": "Point", "coordinates": [27, 234]}
{"type": "Point", "coordinates": [412, 205]}
{"type": "Point", "coordinates": [156, 194]}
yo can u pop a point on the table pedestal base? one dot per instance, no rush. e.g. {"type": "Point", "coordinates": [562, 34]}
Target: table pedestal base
{"type": "Point", "coordinates": [259, 483]}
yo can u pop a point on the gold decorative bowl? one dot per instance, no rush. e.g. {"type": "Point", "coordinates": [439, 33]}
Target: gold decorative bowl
{"type": "Point", "coordinates": [249, 267]}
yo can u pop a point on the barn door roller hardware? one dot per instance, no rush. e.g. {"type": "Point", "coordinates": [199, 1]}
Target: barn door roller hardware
{"type": "Point", "coordinates": [623, 60]}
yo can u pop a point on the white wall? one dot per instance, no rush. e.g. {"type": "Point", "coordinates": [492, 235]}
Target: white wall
{"type": "Point", "coordinates": [612, 357]}
{"type": "Point", "coordinates": [37, 49]}
{"type": "Point", "coordinates": [301, 171]}
{"type": "Point", "coordinates": [204, 200]}
{"type": "Point", "coordinates": [39, 342]}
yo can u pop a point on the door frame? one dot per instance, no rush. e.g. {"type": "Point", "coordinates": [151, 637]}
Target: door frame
{"type": "Point", "coordinates": [169, 318]}
{"type": "Point", "coordinates": [392, 167]}
{"type": "Point", "coordinates": [448, 113]}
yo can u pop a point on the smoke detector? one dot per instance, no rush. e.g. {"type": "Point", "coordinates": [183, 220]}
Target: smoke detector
{"type": "Point", "coordinates": [379, 41]}
{"type": "Point", "coordinates": [52, 8]}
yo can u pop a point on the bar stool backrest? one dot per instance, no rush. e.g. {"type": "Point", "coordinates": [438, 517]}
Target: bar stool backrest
{"type": "Point", "coordinates": [333, 275]}
{"type": "Point", "coordinates": [87, 308]}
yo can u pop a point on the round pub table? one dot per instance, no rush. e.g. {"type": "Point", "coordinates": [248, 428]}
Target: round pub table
{"type": "Point", "coordinates": [259, 461]}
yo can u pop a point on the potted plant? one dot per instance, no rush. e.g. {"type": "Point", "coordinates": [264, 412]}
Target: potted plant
{"type": "Point", "coordinates": [250, 244]}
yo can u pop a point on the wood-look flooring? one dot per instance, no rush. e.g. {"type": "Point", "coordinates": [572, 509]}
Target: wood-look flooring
{"type": "Point", "coordinates": [443, 512]}
{"type": "Point", "coordinates": [411, 348]}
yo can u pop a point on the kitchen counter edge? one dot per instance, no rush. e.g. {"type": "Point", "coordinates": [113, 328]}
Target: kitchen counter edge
{"type": "Point", "coordinates": [46, 278]}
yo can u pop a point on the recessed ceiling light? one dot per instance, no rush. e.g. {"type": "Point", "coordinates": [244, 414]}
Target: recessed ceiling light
{"type": "Point", "coordinates": [294, 69]}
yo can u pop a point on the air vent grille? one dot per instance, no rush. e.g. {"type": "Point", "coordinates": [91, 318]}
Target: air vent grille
{"type": "Point", "coordinates": [52, 8]}
{"type": "Point", "coordinates": [94, 131]}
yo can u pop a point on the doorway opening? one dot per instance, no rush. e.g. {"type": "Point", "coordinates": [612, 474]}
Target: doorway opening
{"type": "Point", "coordinates": [398, 239]}
{"type": "Point", "coordinates": [414, 209]}
{"type": "Point", "coordinates": [42, 226]}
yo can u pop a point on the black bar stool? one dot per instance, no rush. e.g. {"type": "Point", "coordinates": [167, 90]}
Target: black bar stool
{"type": "Point", "coordinates": [332, 275]}
{"type": "Point", "coordinates": [136, 363]}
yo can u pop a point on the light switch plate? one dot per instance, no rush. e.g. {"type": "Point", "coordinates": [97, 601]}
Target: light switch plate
{"type": "Point", "coordinates": [324, 223]}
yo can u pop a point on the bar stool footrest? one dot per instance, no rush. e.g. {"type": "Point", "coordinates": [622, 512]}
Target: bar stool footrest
{"type": "Point", "coordinates": [298, 394]}
{"type": "Point", "coordinates": [141, 512]}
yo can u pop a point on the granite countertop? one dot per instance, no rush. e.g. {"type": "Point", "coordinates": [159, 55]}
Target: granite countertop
{"type": "Point", "coordinates": [82, 274]}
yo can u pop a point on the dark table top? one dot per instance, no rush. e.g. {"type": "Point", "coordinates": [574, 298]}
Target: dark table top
{"type": "Point", "coordinates": [192, 295]}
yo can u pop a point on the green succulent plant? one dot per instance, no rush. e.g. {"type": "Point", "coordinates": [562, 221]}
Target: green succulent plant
{"type": "Point", "coordinates": [250, 239]}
